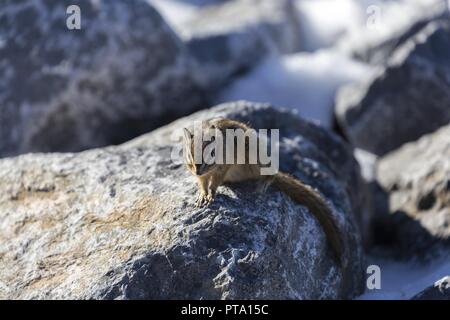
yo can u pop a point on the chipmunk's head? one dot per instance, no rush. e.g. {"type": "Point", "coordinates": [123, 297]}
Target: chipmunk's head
{"type": "Point", "coordinates": [199, 153]}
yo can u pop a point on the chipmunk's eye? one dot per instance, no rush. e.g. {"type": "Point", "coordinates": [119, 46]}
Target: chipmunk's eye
{"type": "Point", "coordinates": [213, 138]}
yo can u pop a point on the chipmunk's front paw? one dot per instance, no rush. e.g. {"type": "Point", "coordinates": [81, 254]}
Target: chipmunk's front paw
{"type": "Point", "coordinates": [204, 200]}
{"type": "Point", "coordinates": [209, 199]}
{"type": "Point", "coordinates": [200, 200]}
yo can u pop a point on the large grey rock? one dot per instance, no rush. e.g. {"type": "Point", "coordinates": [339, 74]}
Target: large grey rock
{"type": "Point", "coordinates": [416, 180]}
{"type": "Point", "coordinates": [231, 38]}
{"type": "Point", "coordinates": [439, 291]}
{"type": "Point", "coordinates": [406, 99]}
{"type": "Point", "coordinates": [120, 222]}
{"type": "Point", "coordinates": [125, 72]}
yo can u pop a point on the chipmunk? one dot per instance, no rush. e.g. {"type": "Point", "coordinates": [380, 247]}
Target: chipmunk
{"type": "Point", "coordinates": [211, 176]}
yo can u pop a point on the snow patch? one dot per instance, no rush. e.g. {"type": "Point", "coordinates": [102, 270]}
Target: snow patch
{"type": "Point", "coordinates": [303, 81]}
{"type": "Point", "coordinates": [175, 13]}
{"type": "Point", "coordinates": [367, 162]}
{"type": "Point", "coordinates": [323, 22]}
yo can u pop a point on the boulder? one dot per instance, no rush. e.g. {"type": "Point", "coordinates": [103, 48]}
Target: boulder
{"type": "Point", "coordinates": [439, 291]}
{"type": "Point", "coordinates": [120, 222]}
{"type": "Point", "coordinates": [404, 100]}
{"type": "Point", "coordinates": [416, 181]}
{"type": "Point", "coordinates": [229, 39]}
{"type": "Point", "coordinates": [123, 73]}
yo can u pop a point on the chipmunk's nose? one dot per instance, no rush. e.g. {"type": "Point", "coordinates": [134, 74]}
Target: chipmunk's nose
{"type": "Point", "coordinates": [200, 169]}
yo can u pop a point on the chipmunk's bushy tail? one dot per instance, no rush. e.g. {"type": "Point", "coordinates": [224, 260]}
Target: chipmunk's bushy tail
{"type": "Point", "coordinates": [307, 196]}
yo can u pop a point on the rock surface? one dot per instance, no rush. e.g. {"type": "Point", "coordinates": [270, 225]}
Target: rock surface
{"type": "Point", "coordinates": [406, 99]}
{"type": "Point", "coordinates": [416, 179]}
{"type": "Point", "coordinates": [124, 73]}
{"type": "Point", "coordinates": [119, 222]}
{"type": "Point", "coordinates": [439, 291]}
{"type": "Point", "coordinates": [233, 37]}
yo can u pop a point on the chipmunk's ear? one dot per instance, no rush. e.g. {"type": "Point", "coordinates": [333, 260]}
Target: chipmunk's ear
{"type": "Point", "coordinates": [187, 134]}
{"type": "Point", "coordinates": [213, 122]}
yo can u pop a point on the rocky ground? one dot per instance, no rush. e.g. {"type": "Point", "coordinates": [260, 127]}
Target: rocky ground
{"type": "Point", "coordinates": [94, 205]}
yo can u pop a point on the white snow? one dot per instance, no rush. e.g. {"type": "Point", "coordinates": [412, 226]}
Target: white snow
{"type": "Point", "coordinates": [303, 81]}
{"type": "Point", "coordinates": [403, 280]}
{"type": "Point", "coordinates": [323, 22]}
{"type": "Point", "coordinates": [176, 13]}
{"type": "Point", "coordinates": [367, 162]}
